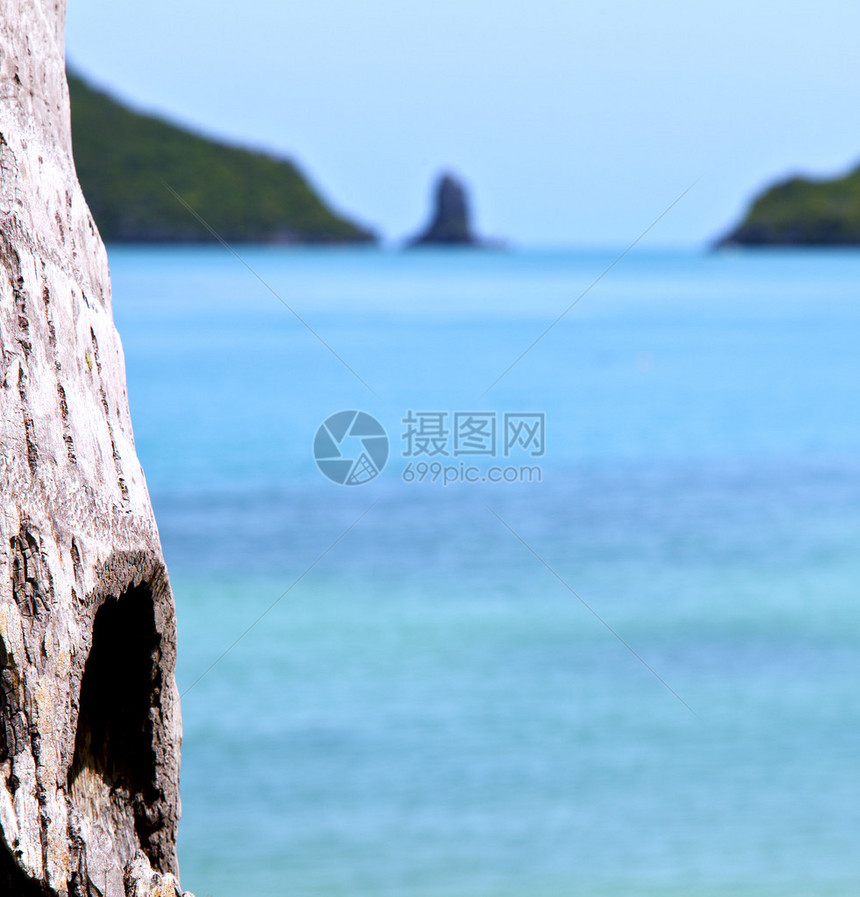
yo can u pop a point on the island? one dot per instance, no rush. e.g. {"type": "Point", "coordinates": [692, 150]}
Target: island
{"type": "Point", "coordinates": [802, 211]}
{"type": "Point", "coordinates": [128, 164]}
{"type": "Point", "coordinates": [450, 221]}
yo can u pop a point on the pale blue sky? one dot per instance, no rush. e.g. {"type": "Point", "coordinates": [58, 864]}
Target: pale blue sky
{"type": "Point", "coordinates": [574, 124]}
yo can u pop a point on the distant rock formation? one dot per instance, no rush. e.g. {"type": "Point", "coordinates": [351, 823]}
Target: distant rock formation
{"type": "Point", "coordinates": [802, 212]}
{"type": "Point", "coordinates": [451, 221]}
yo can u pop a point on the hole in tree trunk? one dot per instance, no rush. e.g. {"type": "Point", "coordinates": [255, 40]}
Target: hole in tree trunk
{"type": "Point", "coordinates": [13, 882]}
{"type": "Point", "coordinates": [114, 764]}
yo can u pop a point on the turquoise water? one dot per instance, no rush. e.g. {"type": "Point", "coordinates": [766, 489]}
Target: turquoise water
{"type": "Point", "coordinates": [429, 711]}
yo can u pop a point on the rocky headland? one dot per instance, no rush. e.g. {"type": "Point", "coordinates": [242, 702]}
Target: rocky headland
{"type": "Point", "coordinates": [802, 211]}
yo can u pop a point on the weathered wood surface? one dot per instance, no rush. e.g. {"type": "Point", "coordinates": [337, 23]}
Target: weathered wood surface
{"type": "Point", "coordinates": [89, 713]}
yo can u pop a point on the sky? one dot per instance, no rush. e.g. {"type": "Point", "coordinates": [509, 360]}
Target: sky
{"type": "Point", "coordinates": [573, 124]}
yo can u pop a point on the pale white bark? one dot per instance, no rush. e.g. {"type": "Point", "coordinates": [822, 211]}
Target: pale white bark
{"type": "Point", "coordinates": [89, 713]}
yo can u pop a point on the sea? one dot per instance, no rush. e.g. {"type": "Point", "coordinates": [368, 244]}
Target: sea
{"type": "Point", "coordinates": [583, 619]}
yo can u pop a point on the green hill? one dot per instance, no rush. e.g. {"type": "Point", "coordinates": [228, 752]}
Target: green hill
{"type": "Point", "coordinates": [803, 212]}
{"type": "Point", "coordinates": [123, 160]}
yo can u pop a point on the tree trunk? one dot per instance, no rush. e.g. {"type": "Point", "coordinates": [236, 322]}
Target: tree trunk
{"type": "Point", "coordinates": [89, 713]}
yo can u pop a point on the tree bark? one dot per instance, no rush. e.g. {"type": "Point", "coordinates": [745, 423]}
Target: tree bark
{"type": "Point", "coordinates": [89, 713]}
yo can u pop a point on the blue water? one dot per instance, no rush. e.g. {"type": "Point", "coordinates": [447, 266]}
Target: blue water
{"type": "Point", "coordinates": [661, 699]}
